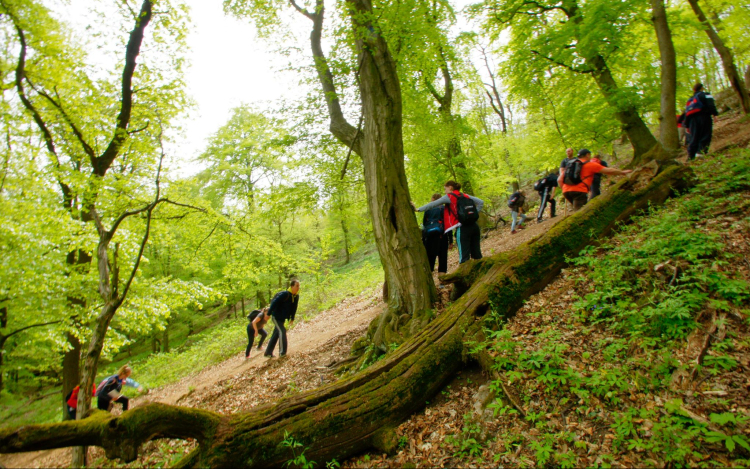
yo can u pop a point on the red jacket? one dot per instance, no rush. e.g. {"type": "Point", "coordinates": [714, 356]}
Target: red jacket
{"type": "Point", "coordinates": [73, 399]}
{"type": "Point", "coordinates": [451, 211]}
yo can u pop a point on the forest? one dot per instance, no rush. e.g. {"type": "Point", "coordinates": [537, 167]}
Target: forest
{"type": "Point", "coordinates": [615, 335]}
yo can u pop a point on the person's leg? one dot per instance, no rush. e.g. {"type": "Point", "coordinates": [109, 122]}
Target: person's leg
{"type": "Point", "coordinates": [250, 339]}
{"type": "Point", "coordinates": [695, 137]}
{"type": "Point", "coordinates": [514, 218]}
{"type": "Point", "coordinates": [102, 402]}
{"type": "Point", "coordinates": [443, 255]}
{"type": "Point", "coordinates": [124, 401]}
{"type": "Point", "coordinates": [431, 246]}
{"type": "Point", "coordinates": [476, 238]}
{"type": "Point", "coordinates": [282, 336]}
{"type": "Point", "coordinates": [580, 199]}
{"type": "Point", "coordinates": [272, 341]}
{"type": "Point", "coordinates": [552, 207]}
{"type": "Point", "coordinates": [464, 245]}
{"type": "Point", "coordinates": [542, 204]}
{"type": "Point", "coordinates": [523, 219]}
{"type": "Point", "coordinates": [72, 413]}
{"type": "Point", "coordinates": [263, 335]}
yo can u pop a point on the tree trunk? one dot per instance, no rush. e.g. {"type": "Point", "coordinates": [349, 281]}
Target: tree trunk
{"type": "Point", "coordinates": [727, 58]}
{"type": "Point", "coordinates": [353, 414]}
{"type": "Point", "coordinates": [668, 135]}
{"type": "Point", "coordinates": [411, 289]}
{"type": "Point", "coordinates": [70, 373]}
{"type": "Point", "coordinates": [346, 238]}
{"type": "Point", "coordinates": [165, 339]}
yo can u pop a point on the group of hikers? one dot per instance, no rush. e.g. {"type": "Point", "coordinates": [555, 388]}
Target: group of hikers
{"type": "Point", "coordinates": [579, 177]}
{"type": "Point", "coordinates": [283, 307]}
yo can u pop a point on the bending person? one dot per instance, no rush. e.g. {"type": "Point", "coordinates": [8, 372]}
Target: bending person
{"type": "Point", "coordinates": [108, 390]}
{"type": "Point", "coordinates": [258, 318]}
{"type": "Point", "coordinates": [283, 307]}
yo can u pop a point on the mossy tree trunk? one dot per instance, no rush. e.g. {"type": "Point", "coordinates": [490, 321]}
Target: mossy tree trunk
{"type": "Point", "coordinates": [353, 414]}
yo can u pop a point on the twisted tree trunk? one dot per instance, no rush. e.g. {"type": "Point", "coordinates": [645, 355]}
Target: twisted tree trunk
{"type": "Point", "coordinates": [358, 412]}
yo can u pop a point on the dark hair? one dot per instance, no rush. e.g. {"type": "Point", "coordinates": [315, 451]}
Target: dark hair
{"type": "Point", "coordinates": [698, 86]}
{"type": "Point", "coordinates": [436, 196]}
{"type": "Point", "coordinates": [293, 282]}
{"type": "Point", "coordinates": [456, 186]}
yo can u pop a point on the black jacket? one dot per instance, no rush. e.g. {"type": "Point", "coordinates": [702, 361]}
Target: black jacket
{"type": "Point", "coordinates": [284, 306]}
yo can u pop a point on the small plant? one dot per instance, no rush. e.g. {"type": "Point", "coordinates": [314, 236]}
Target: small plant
{"type": "Point", "coordinates": [298, 460]}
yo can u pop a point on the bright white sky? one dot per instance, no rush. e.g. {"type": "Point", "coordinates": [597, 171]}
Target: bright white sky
{"type": "Point", "coordinates": [230, 65]}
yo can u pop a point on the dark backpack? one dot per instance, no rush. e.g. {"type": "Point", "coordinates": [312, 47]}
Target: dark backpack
{"type": "Point", "coordinates": [540, 184]}
{"type": "Point", "coordinates": [573, 168]}
{"type": "Point", "coordinates": [433, 222]}
{"type": "Point", "coordinates": [253, 314]}
{"type": "Point", "coordinates": [466, 210]}
{"type": "Point", "coordinates": [516, 201]}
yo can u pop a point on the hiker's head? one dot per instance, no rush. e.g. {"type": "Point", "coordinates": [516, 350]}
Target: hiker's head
{"type": "Point", "coordinates": [451, 186]}
{"type": "Point", "coordinates": [569, 152]}
{"type": "Point", "coordinates": [435, 196]}
{"type": "Point", "coordinates": [294, 286]}
{"type": "Point", "coordinates": [522, 192]}
{"type": "Point", "coordinates": [584, 154]}
{"type": "Point", "coordinates": [124, 372]}
{"type": "Point", "coordinates": [697, 87]}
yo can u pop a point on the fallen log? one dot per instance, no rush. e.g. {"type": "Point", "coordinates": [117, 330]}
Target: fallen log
{"type": "Point", "coordinates": [358, 412]}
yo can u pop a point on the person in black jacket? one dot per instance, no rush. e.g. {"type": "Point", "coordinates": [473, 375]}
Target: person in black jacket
{"type": "Point", "coordinates": [435, 240]}
{"type": "Point", "coordinates": [545, 187]}
{"type": "Point", "coordinates": [699, 119]}
{"type": "Point", "coordinates": [283, 306]}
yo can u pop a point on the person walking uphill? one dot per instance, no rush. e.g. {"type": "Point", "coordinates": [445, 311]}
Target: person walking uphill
{"type": "Point", "coordinates": [699, 120]}
{"type": "Point", "coordinates": [577, 178]}
{"type": "Point", "coordinates": [283, 306]}
{"type": "Point", "coordinates": [545, 187]}
{"type": "Point", "coordinates": [436, 240]}
{"type": "Point", "coordinates": [258, 318]}
{"type": "Point", "coordinates": [461, 214]}
{"type": "Point", "coordinates": [516, 202]}
{"type": "Point", "coordinates": [109, 389]}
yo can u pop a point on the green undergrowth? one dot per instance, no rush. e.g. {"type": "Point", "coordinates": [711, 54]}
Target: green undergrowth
{"type": "Point", "coordinates": [598, 377]}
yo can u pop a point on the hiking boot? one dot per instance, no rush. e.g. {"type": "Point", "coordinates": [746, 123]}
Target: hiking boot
{"type": "Point", "coordinates": [268, 356]}
{"type": "Point", "coordinates": [513, 232]}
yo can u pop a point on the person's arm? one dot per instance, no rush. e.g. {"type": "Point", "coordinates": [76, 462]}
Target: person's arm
{"type": "Point", "coordinates": [444, 200]}
{"type": "Point", "coordinates": [615, 171]}
{"type": "Point", "coordinates": [256, 321]}
{"type": "Point", "coordinates": [479, 202]}
{"type": "Point", "coordinates": [133, 384]}
{"type": "Point", "coordinates": [561, 177]}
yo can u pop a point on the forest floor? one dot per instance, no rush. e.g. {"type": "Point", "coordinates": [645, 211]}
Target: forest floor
{"type": "Point", "coordinates": [454, 429]}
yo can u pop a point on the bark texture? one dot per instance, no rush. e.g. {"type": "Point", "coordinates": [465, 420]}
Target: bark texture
{"type": "Point", "coordinates": [411, 289]}
{"type": "Point", "coordinates": [727, 57]}
{"type": "Point", "coordinates": [358, 412]}
{"type": "Point", "coordinates": [668, 135]}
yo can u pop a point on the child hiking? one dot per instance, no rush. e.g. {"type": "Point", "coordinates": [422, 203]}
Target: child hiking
{"type": "Point", "coordinates": [461, 214]}
{"type": "Point", "coordinates": [436, 241]}
{"type": "Point", "coordinates": [258, 318]}
{"type": "Point", "coordinates": [516, 203]}
{"type": "Point", "coordinates": [108, 391]}
{"type": "Point", "coordinates": [283, 306]}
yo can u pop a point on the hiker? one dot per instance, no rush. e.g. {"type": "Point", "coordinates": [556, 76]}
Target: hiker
{"type": "Point", "coordinates": [109, 389]}
{"type": "Point", "coordinates": [569, 152]}
{"type": "Point", "coordinates": [545, 187]}
{"type": "Point", "coordinates": [699, 114]}
{"type": "Point", "coordinates": [596, 183]}
{"type": "Point", "coordinates": [516, 203]}
{"type": "Point", "coordinates": [461, 214]}
{"type": "Point", "coordinates": [577, 177]}
{"type": "Point", "coordinates": [283, 306]}
{"type": "Point", "coordinates": [72, 400]}
{"type": "Point", "coordinates": [436, 240]}
{"type": "Point", "coordinates": [258, 318]}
